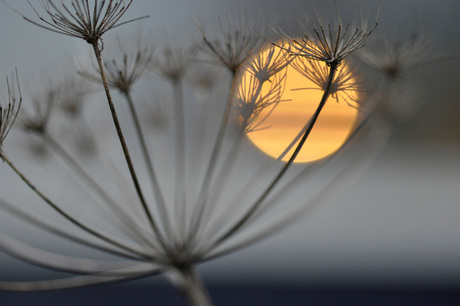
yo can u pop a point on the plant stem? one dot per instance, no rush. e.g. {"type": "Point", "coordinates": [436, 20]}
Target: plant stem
{"type": "Point", "coordinates": [180, 153]}
{"type": "Point", "coordinates": [256, 205]}
{"type": "Point", "coordinates": [124, 146]}
{"type": "Point", "coordinates": [150, 168]}
{"type": "Point", "coordinates": [218, 185]}
{"type": "Point", "coordinates": [127, 222]}
{"type": "Point", "coordinates": [67, 216]}
{"type": "Point", "coordinates": [191, 287]}
{"type": "Point", "coordinates": [203, 194]}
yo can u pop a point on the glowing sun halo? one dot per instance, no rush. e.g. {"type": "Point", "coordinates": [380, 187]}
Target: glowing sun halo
{"type": "Point", "coordinates": [289, 117]}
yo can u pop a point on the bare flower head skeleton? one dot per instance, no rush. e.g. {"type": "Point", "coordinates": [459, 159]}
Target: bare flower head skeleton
{"type": "Point", "coordinates": [326, 42]}
{"type": "Point", "coordinates": [80, 19]}
{"type": "Point", "coordinates": [9, 113]}
{"type": "Point", "coordinates": [182, 230]}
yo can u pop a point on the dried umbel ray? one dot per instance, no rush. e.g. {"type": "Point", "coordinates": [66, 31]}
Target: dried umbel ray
{"type": "Point", "coordinates": [198, 218]}
{"type": "Point", "coordinates": [9, 112]}
{"type": "Point", "coordinates": [84, 19]}
{"type": "Point", "coordinates": [326, 42]}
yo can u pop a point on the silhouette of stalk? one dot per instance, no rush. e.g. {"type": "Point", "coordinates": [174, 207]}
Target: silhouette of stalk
{"type": "Point", "coordinates": [202, 200]}
{"type": "Point", "coordinates": [127, 222]}
{"type": "Point", "coordinates": [256, 205]}
{"type": "Point", "coordinates": [98, 55]}
{"type": "Point", "coordinates": [148, 161]}
{"type": "Point", "coordinates": [180, 155]}
{"type": "Point", "coordinates": [76, 222]}
{"type": "Point", "coordinates": [221, 180]}
{"type": "Point", "coordinates": [191, 287]}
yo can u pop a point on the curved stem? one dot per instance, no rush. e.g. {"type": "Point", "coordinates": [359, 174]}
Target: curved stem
{"type": "Point", "coordinates": [115, 208]}
{"type": "Point", "coordinates": [124, 146]}
{"type": "Point", "coordinates": [150, 168]}
{"type": "Point", "coordinates": [76, 222]}
{"type": "Point", "coordinates": [60, 231]}
{"type": "Point", "coordinates": [275, 181]}
{"type": "Point", "coordinates": [202, 200]}
{"type": "Point", "coordinates": [221, 180]}
{"type": "Point", "coordinates": [190, 285]}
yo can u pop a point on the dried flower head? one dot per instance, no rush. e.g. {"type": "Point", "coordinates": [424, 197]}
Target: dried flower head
{"type": "Point", "coordinates": [394, 56]}
{"type": "Point", "coordinates": [73, 92]}
{"type": "Point", "coordinates": [78, 18]}
{"type": "Point", "coordinates": [44, 103]}
{"type": "Point", "coordinates": [235, 41]}
{"type": "Point", "coordinates": [326, 42]}
{"type": "Point", "coordinates": [9, 113]}
{"type": "Point", "coordinates": [268, 62]}
{"type": "Point", "coordinates": [124, 72]}
{"type": "Point", "coordinates": [251, 99]}
{"type": "Point", "coordinates": [174, 62]}
{"type": "Point", "coordinates": [344, 86]}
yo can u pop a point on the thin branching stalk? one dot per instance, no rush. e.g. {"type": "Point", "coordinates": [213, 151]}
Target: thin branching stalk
{"type": "Point", "coordinates": [137, 186]}
{"type": "Point", "coordinates": [57, 262]}
{"type": "Point", "coordinates": [330, 190]}
{"type": "Point", "coordinates": [61, 231]}
{"type": "Point", "coordinates": [161, 204]}
{"type": "Point", "coordinates": [190, 285]}
{"type": "Point", "coordinates": [221, 180]}
{"type": "Point", "coordinates": [180, 194]}
{"type": "Point", "coordinates": [9, 114]}
{"type": "Point", "coordinates": [203, 193]}
{"type": "Point", "coordinates": [260, 200]}
{"type": "Point", "coordinates": [128, 223]}
{"type": "Point", "coordinates": [130, 273]}
{"type": "Point", "coordinates": [64, 214]}
{"type": "Point", "coordinates": [372, 105]}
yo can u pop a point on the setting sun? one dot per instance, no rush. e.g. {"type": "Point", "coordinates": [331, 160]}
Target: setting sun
{"type": "Point", "coordinates": [279, 125]}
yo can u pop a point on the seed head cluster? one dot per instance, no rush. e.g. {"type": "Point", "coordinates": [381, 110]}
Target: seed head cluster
{"type": "Point", "coordinates": [79, 18]}
{"type": "Point", "coordinates": [327, 42]}
{"type": "Point", "coordinates": [9, 113]}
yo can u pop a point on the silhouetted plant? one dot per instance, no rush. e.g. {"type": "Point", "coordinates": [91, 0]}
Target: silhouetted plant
{"type": "Point", "coordinates": [209, 193]}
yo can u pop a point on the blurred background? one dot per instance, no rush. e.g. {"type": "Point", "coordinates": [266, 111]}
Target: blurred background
{"type": "Point", "coordinates": [393, 237]}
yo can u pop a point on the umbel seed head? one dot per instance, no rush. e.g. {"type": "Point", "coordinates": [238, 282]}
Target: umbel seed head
{"type": "Point", "coordinates": [9, 113]}
{"type": "Point", "coordinates": [79, 18]}
{"type": "Point", "coordinates": [326, 42]}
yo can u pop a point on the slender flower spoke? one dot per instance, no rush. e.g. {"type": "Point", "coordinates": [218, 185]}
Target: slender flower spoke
{"type": "Point", "coordinates": [197, 186]}
{"type": "Point", "coordinates": [243, 221]}
{"type": "Point", "coordinates": [124, 146]}
{"type": "Point", "coordinates": [59, 210]}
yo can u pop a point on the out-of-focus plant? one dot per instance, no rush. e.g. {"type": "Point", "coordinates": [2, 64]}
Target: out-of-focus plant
{"type": "Point", "coordinates": [209, 192]}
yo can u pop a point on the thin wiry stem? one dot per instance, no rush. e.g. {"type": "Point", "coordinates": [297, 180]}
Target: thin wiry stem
{"type": "Point", "coordinates": [128, 223]}
{"type": "Point", "coordinates": [202, 200]}
{"type": "Point", "coordinates": [372, 105]}
{"type": "Point", "coordinates": [330, 190]}
{"type": "Point", "coordinates": [124, 146]}
{"type": "Point", "coordinates": [9, 114]}
{"type": "Point", "coordinates": [180, 194]}
{"type": "Point", "coordinates": [64, 214]}
{"type": "Point", "coordinates": [161, 204]}
{"type": "Point", "coordinates": [249, 94]}
{"type": "Point", "coordinates": [260, 200]}
{"type": "Point", "coordinates": [53, 261]}
{"type": "Point", "coordinates": [190, 285]}
{"type": "Point", "coordinates": [61, 231]}
{"type": "Point", "coordinates": [138, 271]}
